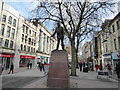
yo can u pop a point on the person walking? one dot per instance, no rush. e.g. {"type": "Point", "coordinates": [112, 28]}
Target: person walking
{"type": "Point", "coordinates": [80, 66]}
{"type": "Point", "coordinates": [11, 68]}
{"type": "Point", "coordinates": [100, 67]}
{"type": "Point", "coordinates": [96, 67]}
{"type": "Point", "coordinates": [40, 65]}
{"type": "Point", "coordinates": [109, 68]}
{"type": "Point", "coordinates": [28, 65]}
{"type": "Point", "coordinates": [117, 69]}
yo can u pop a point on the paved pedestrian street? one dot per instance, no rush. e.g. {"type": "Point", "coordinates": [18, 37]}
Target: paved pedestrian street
{"type": "Point", "coordinates": [35, 79]}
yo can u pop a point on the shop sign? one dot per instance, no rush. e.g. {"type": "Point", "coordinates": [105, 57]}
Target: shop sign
{"type": "Point", "coordinates": [7, 55]}
{"type": "Point", "coordinates": [24, 56]}
{"type": "Point", "coordinates": [116, 55]}
{"type": "Point", "coordinates": [107, 56]}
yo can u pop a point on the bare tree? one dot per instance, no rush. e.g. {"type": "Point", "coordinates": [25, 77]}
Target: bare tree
{"type": "Point", "coordinates": [77, 18]}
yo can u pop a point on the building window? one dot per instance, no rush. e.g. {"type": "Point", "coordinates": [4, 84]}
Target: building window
{"type": "Point", "coordinates": [34, 50]}
{"type": "Point", "coordinates": [119, 42]}
{"type": "Point", "coordinates": [118, 24]}
{"type": "Point", "coordinates": [35, 34]}
{"type": "Point", "coordinates": [6, 43]}
{"type": "Point", "coordinates": [2, 29]}
{"type": "Point", "coordinates": [25, 39]}
{"type": "Point", "coordinates": [21, 46]}
{"type": "Point", "coordinates": [29, 31]}
{"type": "Point", "coordinates": [113, 28]}
{"type": "Point", "coordinates": [23, 28]}
{"type": "Point", "coordinates": [34, 43]}
{"type": "Point", "coordinates": [31, 49]}
{"type": "Point", "coordinates": [29, 41]}
{"type": "Point", "coordinates": [26, 30]}
{"type": "Point", "coordinates": [4, 18]}
{"type": "Point", "coordinates": [22, 37]}
{"type": "Point", "coordinates": [8, 31]}
{"type": "Point", "coordinates": [13, 33]}
{"type": "Point", "coordinates": [115, 44]}
{"type": "Point", "coordinates": [1, 40]}
{"type": "Point", "coordinates": [10, 20]}
{"type": "Point", "coordinates": [106, 48]}
{"type": "Point", "coordinates": [11, 44]}
{"type": "Point", "coordinates": [28, 48]}
{"type": "Point", "coordinates": [24, 47]}
{"type": "Point", "coordinates": [14, 22]}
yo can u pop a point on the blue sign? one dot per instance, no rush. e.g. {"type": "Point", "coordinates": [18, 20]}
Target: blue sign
{"type": "Point", "coordinates": [116, 55]}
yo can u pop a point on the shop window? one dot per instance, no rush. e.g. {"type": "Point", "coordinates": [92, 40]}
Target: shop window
{"type": "Point", "coordinates": [10, 20]}
{"type": "Point", "coordinates": [1, 41]}
{"type": "Point", "coordinates": [6, 43]}
{"type": "Point", "coordinates": [13, 33]}
{"type": "Point", "coordinates": [4, 18]}
{"type": "Point", "coordinates": [11, 44]}
{"type": "Point", "coordinates": [21, 46]}
{"type": "Point", "coordinates": [8, 31]}
{"type": "Point", "coordinates": [2, 29]}
{"type": "Point", "coordinates": [14, 22]}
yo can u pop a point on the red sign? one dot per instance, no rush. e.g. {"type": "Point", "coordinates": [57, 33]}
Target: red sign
{"type": "Point", "coordinates": [7, 55]}
{"type": "Point", "coordinates": [24, 56]}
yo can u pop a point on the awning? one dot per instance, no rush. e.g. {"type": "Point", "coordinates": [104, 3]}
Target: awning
{"type": "Point", "coordinates": [7, 55]}
{"type": "Point", "coordinates": [29, 57]}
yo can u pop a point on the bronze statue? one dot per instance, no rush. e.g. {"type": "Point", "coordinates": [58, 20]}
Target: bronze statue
{"type": "Point", "coordinates": [60, 35]}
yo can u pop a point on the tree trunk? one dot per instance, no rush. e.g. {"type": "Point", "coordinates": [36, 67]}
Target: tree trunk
{"type": "Point", "coordinates": [76, 60]}
{"type": "Point", "coordinates": [73, 64]}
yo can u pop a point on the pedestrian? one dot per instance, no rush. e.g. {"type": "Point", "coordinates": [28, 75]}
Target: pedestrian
{"type": "Point", "coordinates": [109, 68]}
{"type": "Point", "coordinates": [0, 68]}
{"type": "Point", "coordinates": [96, 67]}
{"type": "Point", "coordinates": [11, 68]}
{"type": "Point", "coordinates": [28, 65]}
{"type": "Point", "coordinates": [40, 66]}
{"type": "Point", "coordinates": [100, 67]}
{"type": "Point", "coordinates": [117, 69]}
{"type": "Point", "coordinates": [46, 66]}
{"type": "Point", "coordinates": [80, 66]}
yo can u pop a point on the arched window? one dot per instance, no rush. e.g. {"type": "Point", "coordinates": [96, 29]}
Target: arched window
{"type": "Point", "coordinates": [14, 22]}
{"type": "Point", "coordinates": [10, 20]}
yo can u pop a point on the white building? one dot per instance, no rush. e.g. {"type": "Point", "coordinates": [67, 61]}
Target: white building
{"type": "Point", "coordinates": [21, 41]}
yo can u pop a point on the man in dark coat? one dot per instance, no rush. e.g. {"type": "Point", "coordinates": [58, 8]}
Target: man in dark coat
{"type": "Point", "coordinates": [80, 66]}
{"type": "Point", "coordinates": [11, 68]}
{"type": "Point", "coordinates": [118, 69]}
{"type": "Point", "coordinates": [60, 35]}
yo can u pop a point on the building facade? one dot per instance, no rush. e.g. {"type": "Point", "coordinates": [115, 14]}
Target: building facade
{"type": "Point", "coordinates": [107, 43]}
{"type": "Point", "coordinates": [21, 41]}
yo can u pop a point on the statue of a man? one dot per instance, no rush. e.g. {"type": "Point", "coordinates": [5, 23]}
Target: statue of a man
{"type": "Point", "coordinates": [60, 35]}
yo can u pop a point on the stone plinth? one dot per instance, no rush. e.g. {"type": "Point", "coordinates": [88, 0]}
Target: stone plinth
{"type": "Point", "coordinates": [58, 75]}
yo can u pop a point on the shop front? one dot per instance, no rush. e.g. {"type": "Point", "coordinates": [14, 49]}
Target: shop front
{"type": "Point", "coordinates": [24, 60]}
{"type": "Point", "coordinates": [6, 60]}
{"type": "Point", "coordinates": [107, 59]}
{"type": "Point", "coordinates": [115, 58]}
{"type": "Point", "coordinates": [42, 59]}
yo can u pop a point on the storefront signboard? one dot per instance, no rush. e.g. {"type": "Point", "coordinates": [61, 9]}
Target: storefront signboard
{"type": "Point", "coordinates": [24, 56]}
{"type": "Point", "coordinates": [7, 55]}
{"type": "Point", "coordinates": [116, 55]}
